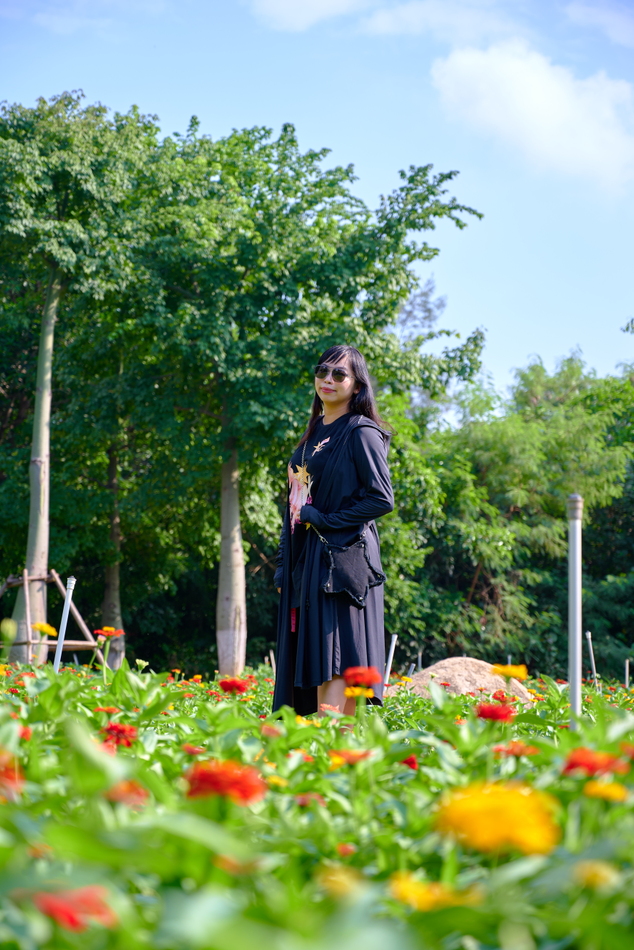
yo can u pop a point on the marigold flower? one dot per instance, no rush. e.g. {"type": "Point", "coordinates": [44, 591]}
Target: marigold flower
{"type": "Point", "coordinates": [354, 691]}
{"type": "Point", "coordinates": [361, 676]}
{"type": "Point", "coordinates": [307, 798]}
{"type": "Point", "coordinates": [45, 629]}
{"type": "Point", "coordinates": [233, 685]}
{"type": "Point", "coordinates": [596, 875]}
{"type": "Point", "coordinates": [118, 733]}
{"type": "Point", "coordinates": [509, 671]}
{"type": "Point", "coordinates": [271, 732]}
{"type": "Point", "coordinates": [590, 762]}
{"type": "Point", "coordinates": [500, 712]}
{"type": "Point", "coordinates": [339, 881]}
{"type": "Point", "coordinates": [193, 749]}
{"type": "Point", "coordinates": [11, 777]}
{"type": "Point", "coordinates": [411, 762]}
{"type": "Point", "coordinates": [128, 792]}
{"type": "Point", "coordinates": [240, 783]}
{"type": "Point", "coordinates": [608, 791]}
{"type": "Point", "coordinates": [341, 757]}
{"type": "Point", "coordinates": [425, 896]}
{"type": "Point", "coordinates": [516, 748]}
{"type": "Point", "coordinates": [498, 817]}
{"type": "Point", "coordinates": [76, 909]}
{"type": "Point", "coordinates": [111, 710]}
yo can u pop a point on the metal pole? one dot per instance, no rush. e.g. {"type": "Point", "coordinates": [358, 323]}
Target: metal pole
{"type": "Point", "coordinates": [592, 663]}
{"type": "Point", "coordinates": [627, 674]}
{"type": "Point", "coordinates": [574, 505]}
{"type": "Point", "coordinates": [419, 661]}
{"type": "Point", "coordinates": [411, 669]}
{"type": "Point", "coordinates": [390, 657]}
{"type": "Point", "coordinates": [70, 587]}
{"type": "Point", "coordinates": [508, 659]}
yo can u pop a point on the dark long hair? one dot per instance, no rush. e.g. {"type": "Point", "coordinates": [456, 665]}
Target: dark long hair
{"type": "Point", "coordinates": [362, 403]}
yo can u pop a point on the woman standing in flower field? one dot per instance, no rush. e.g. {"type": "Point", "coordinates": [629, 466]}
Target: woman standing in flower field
{"type": "Point", "coordinates": [339, 484]}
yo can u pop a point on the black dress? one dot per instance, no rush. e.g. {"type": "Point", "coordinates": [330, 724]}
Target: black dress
{"type": "Point", "coordinates": [320, 635]}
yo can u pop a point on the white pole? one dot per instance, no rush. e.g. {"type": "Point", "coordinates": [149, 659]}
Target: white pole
{"type": "Point", "coordinates": [273, 667]}
{"type": "Point", "coordinates": [390, 657]}
{"type": "Point", "coordinates": [592, 663]}
{"type": "Point", "coordinates": [627, 674]}
{"type": "Point", "coordinates": [70, 587]}
{"type": "Point", "coordinates": [574, 505]}
{"type": "Point", "coordinates": [419, 661]}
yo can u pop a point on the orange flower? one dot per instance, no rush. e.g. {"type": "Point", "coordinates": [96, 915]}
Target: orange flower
{"type": "Point", "coordinates": [501, 713]}
{"type": "Point", "coordinates": [271, 732]}
{"type": "Point", "coordinates": [25, 732]}
{"type": "Point", "coordinates": [341, 757]}
{"type": "Point", "coordinates": [233, 685]}
{"type": "Point", "coordinates": [241, 783]}
{"type": "Point", "coordinates": [75, 910]}
{"type": "Point", "coordinates": [608, 791]}
{"type": "Point", "coordinates": [11, 778]}
{"type": "Point", "coordinates": [118, 733]}
{"type": "Point", "coordinates": [193, 749]}
{"type": "Point", "coordinates": [128, 792]}
{"type": "Point", "coordinates": [516, 748]}
{"type": "Point", "coordinates": [361, 676]}
{"type": "Point", "coordinates": [111, 710]}
{"type": "Point", "coordinates": [590, 762]}
{"type": "Point", "coordinates": [345, 849]}
{"type": "Point", "coordinates": [109, 632]}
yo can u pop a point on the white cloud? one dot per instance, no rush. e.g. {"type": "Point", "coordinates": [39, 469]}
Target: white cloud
{"type": "Point", "coordinates": [298, 15]}
{"type": "Point", "coordinates": [64, 17]}
{"type": "Point", "coordinates": [459, 21]}
{"type": "Point", "coordinates": [576, 126]}
{"type": "Point", "coordinates": [615, 20]}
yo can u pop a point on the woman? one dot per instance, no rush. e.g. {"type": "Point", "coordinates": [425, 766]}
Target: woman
{"type": "Point", "coordinates": [338, 484]}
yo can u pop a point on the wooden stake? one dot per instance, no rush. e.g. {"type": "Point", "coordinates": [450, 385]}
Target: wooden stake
{"type": "Point", "coordinates": [27, 610]}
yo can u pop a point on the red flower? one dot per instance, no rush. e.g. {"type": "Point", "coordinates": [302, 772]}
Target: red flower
{"type": "Point", "coordinates": [594, 763]}
{"type": "Point", "coordinates": [500, 696]}
{"type": "Point", "coordinates": [516, 748]}
{"type": "Point", "coordinates": [241, 783]}
{"type": "Point", "coordinates": [502, 713]}
{"type": "Point", "coordinates": [129, 793]}
{"type": "Point", "coordinates": [445, 684]}
{"type": "Point", "coordinates": [362, 676]}
{"type": "Point", "coordinates": [233, 685]}
{"type": "Point", "coordinates": [12, 690]}
{"type": "Point", "coordinates": [345, 849]}
{"type": "Point", "coordinates": [411, 762]}
{"type": "Point", "coordinates": [213, 692]}
{"type": "Point", "coordinates": [109, 632]}
{"type": "Point", "coordinates": [307, 798]}
{"type": "Point", "coordinates": [270, 731]}
{"type": "Point", "coordinates": [11, 778]}
{"type": "Point", "coordinates": [111, 710]}
{"type": "Point", "coordinates": [193, 749]}
{"type": "Point", "coordinates": [348, 756]}
{"type": "Point", "coordinates": [120, 734]}
{"type": "Point", "coordinates": [25, 732]}
{"type": "Point", "coordinates": [74, 910]}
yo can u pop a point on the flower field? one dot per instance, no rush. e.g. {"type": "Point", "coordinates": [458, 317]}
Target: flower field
{"type": "Point", "coordinates": [156, 812]}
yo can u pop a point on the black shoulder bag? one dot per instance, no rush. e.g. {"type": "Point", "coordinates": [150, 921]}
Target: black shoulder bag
{"type": "Point", "coordinates": [349, 569]}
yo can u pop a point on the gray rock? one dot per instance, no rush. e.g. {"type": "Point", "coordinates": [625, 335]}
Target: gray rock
{"type": "Point", "coordinates": [464, 675]}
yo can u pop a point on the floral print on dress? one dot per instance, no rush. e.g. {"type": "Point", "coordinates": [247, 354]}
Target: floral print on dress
{"type": "Point", "coordinates": [300, 485]}
{"type": "Point", "coordinates": [317, 448]}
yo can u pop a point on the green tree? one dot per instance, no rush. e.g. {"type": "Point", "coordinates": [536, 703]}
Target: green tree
{"type": "Point", "coordinates": [65, 175]}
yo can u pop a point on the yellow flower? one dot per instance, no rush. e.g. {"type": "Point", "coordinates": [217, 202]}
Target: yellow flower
{"type": "Point", "coordinates": [609, 791]}
{"type": "Point", "coordinates": [277, 780]}
{"type": "Point", "coordinates": [597, 875]}
{"type": "Point", "coordinates": [301, 721]}
{"type": "Point", "coordinates": [422, 895]}
{"type": "Point", "coordinates": [406, 679]}
{"type": "Point", "coordinates": [500, 817]}
{"type": "Point", "coordinates": [197, 678]}
{"type": "Point", "coordinates": [108, 629]}
{"type": "Point", "coordinates": [339, 880]}
{"type": "Point", "coordinates": [45, 629]}
{"type": "Point", "coordinates": [517, 672]}
{"type": "Point", "coordinates": [358, 691]}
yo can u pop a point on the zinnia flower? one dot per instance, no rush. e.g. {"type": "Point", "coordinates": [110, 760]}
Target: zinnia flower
{"type": "Point", "coordinates": [240, 783]}
{"type": "Point", "coordinates": [361, 676]}
{"type": "Point", "coordinates": [608, 791]}
{"type": "Point", "coordinates": [111, 710]}
{"type": "Point", "coordinates": [193, 749]}
{"type": "Point", "coordinates": [500, 712]}
{"type": "Point", "coordinates": [424, 896]}
{"type": "Point", "coordinates": [45, 629]}
{"type": "Point", "coordinates": [25, 732]}
{"type": "Point", "coordinates": [109, 632]}
{"type": "Point", "coordinates": [271, 732]}
{"type": "Point", "coordinates": [339, 757]}
{"type": "Point", "coordinates": [596, 875]}
{"type": "Point", "coordinates": [411, 762]}
{"type": "Point", "coordinates": [354, 691]}
{"type": "Point", "coordinates": [594, 763]}
{"type": "Point", "coordinates": [119, 733]}
{"type": "Point", "coordinates": [515, 672]}
{"type": "Point", "coordinates": [516, 748]}
{"type": "Point", "coordinates": [498, 817]}
{"type": "Point", "coordinates": [307, 798]}
{"type": "Point", "coordinates": [233, 685]}
{"type": "Point", "coordinates": [128, 792]}
{"type": "Point", "coordinates": [11, 778]}
{"type": "Point", "coordinates": [345, 849]}
{"type": "Point", "coordinates": [75, 910]}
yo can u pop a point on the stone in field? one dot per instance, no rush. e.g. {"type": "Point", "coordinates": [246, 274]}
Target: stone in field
{"type": "Point", "coordinates": [464, 675]}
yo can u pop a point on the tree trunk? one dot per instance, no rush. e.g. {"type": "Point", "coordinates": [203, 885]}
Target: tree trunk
{"type": "Point", "coordinates": [39, 478]}
{"type": "Point", "coordinates": [111, 607]}
{"type": "Point", "coordinates": [231, 608]}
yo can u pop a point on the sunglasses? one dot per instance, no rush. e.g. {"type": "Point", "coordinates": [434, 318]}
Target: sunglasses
{"type": "Point", "coordinates": [338, 374]}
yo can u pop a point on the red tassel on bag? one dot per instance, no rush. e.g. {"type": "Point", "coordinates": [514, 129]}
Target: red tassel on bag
{"type": "Point", "coordinates": [293, 619]}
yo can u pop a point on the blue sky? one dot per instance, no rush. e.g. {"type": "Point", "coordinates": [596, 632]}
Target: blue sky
{"type": "Point", "coordinates": [532, 102]}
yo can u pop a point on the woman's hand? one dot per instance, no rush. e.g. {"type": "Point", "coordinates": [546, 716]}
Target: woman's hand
{"type": "Point", "coordinates": [279, 590]}
{"type": "Point", "coordinates": [305, 514]}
